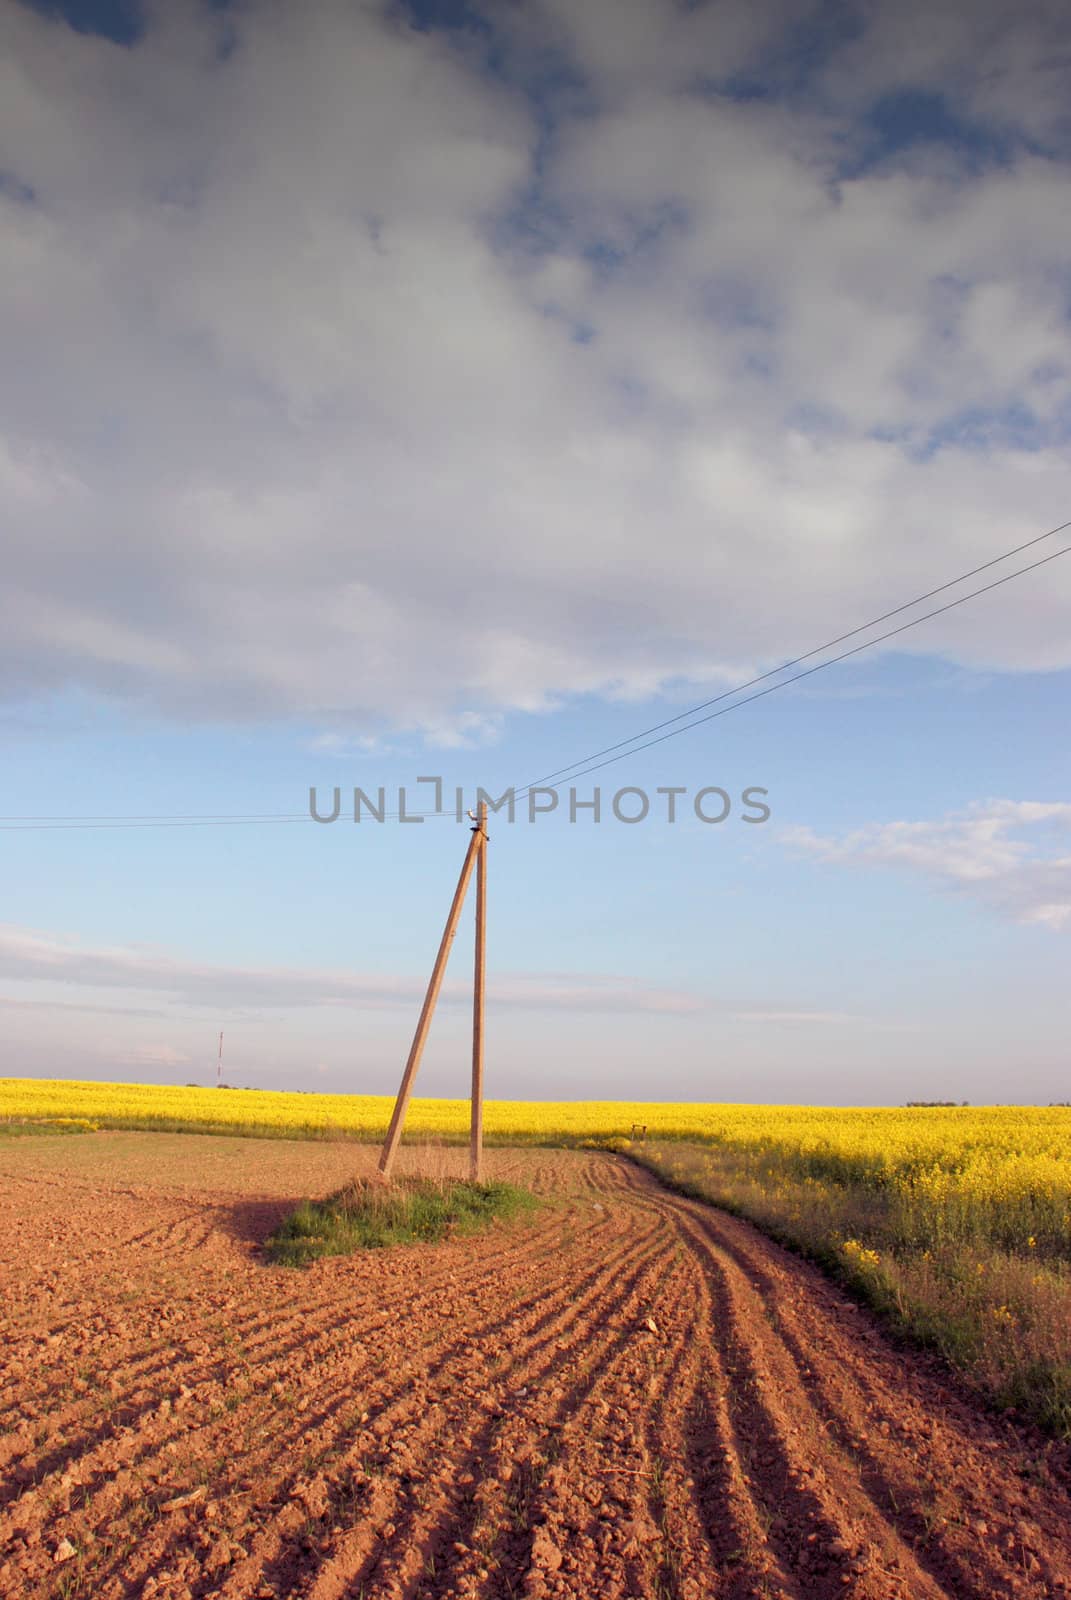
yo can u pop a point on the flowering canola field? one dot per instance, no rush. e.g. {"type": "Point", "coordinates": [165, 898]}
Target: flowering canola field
{"type": "Point", "coordinates": [991, 1159]}
{"type": "Point", "coordinates": [874, 1140]}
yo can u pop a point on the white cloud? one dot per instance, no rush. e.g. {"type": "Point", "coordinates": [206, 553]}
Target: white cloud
{"type": "Point", "coordinates": [1012, 855]}
{"type": "Point", "coordinates": [794, 1018]}
{"type": "Point", "coordinates": [30, 956]}
{"type": "Point", "coordinates": [154, 1055]}
{"type": "Point", "coordinates": [1004, 67]}
{"type": "Point", "coordinates": [307, 425]}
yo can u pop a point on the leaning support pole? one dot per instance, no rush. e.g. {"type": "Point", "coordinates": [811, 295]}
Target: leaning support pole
{"type": "Point", "coordinates": [394, 1132]}
{"type": "Point", "coordinates": [476, 1137]}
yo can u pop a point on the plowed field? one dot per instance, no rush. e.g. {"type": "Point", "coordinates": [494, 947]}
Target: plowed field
{"type": "Point", "coordinates": [630, 1395]}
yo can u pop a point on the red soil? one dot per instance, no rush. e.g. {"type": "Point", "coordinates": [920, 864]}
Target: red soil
{"type": "Point", "coordinates": [632, 1395]}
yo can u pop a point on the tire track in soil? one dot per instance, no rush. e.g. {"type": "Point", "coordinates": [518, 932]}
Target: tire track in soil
{"type": "Point", "coordinates": [513, 1558]}
{"type": "Point", "coordinates": [129, 1455]}
{"type": "Point", "coordinates": [273, 1447]}
{"type": "Point", "coordinates": [307, 1331]}
{"type": "Point", "coordinates": [482, 1266]}
{"type": "Point", "coordinates": [551, 1319]}
{"type": "Point", "coordinates": [598, 1446]}
{"type": "Point", "coordinates": [260, 1319]}
{"type": "Point", "coordinates": [497, 1420]}
{"type": "Point", "coordinates": [838, 1391]}
{"type": "Point", "coordinates": [848, 1517]}
{"type": "Point", "coordinates": [602, 1454]}
{"type": "Point", "coordinates": [545, 1412]}
{"type": "Point", "coordinates": [710, 1483]}
{"type": "Point", "coordinates": [700, 1551]}
{"type": "Point", "coordinates": [813, 1516]}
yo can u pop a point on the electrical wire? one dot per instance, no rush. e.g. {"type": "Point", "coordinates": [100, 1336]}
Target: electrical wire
{"type": "Point", "coordinates": [810, 671]}
{"type": "Point", "coordinates": [808, 655]}
{"type": "Point", "coordinates": [613, 753]}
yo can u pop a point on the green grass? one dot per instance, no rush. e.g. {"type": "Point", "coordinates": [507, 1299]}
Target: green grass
{"type": "Point", "coordinates": [21, 1128]}
{"type": "Point", "coordinates": [368, 1215]}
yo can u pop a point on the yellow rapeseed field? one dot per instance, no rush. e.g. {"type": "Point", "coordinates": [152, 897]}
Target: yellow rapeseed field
{"type": "Point", "coordinates": [873, 1144]}
{"type": "Point", "coordinates": [977, 1164]}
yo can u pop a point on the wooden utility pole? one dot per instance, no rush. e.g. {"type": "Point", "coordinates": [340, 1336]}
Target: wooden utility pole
{"type": "Point", "coordinates": [476, 1135]}
{"type": "Point", "coordinates": [394, 1132]}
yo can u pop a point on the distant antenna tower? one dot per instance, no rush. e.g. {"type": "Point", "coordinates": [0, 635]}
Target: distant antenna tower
{"type": "Point", "coordinates": [219, 1063]}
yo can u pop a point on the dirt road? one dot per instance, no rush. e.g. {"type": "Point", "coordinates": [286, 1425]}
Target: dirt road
{"type": "Point", "coordinates": [631, 1395]}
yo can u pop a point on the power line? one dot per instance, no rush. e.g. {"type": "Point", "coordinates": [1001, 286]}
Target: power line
{"type": "Point", "coordinates": [161, 816]}
{"type": "Point", "coordinates": [625, 747]}
{"type": "Point", "coordinates": [726, 694]}
{"type": "Point", "coordinates": [810, 671]}
{"type": "Point", "coordinates": [54, 825]}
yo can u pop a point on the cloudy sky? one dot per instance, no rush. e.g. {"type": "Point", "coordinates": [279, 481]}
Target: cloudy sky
{"type": "Point", "coordinates": [399, 390]}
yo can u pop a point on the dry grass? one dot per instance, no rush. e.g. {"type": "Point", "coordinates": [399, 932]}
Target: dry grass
{"type": "Point", "coordinates": [1002, 1315]}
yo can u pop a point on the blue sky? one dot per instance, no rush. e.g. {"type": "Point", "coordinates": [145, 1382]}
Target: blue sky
{"type": "Point", "coordinates": [462, 390]}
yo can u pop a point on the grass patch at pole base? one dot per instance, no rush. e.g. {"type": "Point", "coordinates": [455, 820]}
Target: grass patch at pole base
{"type": "Point", "coordinates": [369, 1214]}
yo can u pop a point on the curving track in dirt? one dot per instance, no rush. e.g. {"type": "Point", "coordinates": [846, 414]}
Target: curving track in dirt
{"type": "Point", "coordinates": [632, 1395]}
